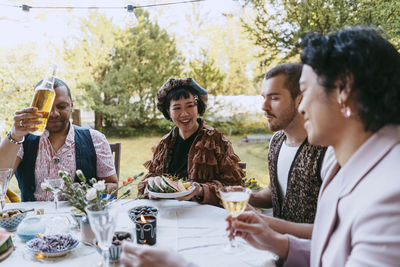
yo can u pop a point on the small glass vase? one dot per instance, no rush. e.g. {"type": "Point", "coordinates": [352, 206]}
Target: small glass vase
{"type": "Point", "coordinates": [30, 227]}
{"type": "Point", "coordinates": [87, 235]}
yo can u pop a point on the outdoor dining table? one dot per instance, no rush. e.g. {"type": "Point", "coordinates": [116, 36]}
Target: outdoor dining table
{"type": "Point", "coordinates": [195, 231]}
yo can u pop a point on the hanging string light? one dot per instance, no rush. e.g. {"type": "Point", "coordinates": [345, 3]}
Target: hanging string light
{"type": "Point", "coordinates": [130, 19]}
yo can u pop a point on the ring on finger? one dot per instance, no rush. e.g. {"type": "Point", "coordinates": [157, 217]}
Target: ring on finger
{"type": "Point", "coordinates": [21, 123]}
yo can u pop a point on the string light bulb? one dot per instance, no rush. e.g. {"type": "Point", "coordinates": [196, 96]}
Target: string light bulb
{"type": "Point", "coordinates": [130, 19]}
{"type": "Point", "coordinates": [25, 8]}
{"type": "Point", "coordinates": [25, 18]}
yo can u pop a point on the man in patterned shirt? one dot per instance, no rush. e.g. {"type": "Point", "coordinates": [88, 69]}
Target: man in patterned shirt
{"type": "Point", "coordinates": [62, 146]}
{"type": "Point", "coordinates": [296, 168]}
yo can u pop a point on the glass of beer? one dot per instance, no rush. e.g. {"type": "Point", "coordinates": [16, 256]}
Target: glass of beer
{"type": "Point", "coordinates": [44, 98]}
{"type": "Point", "coordinates": [234, 199]}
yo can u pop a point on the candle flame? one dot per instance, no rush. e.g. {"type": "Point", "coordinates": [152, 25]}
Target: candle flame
{"type": "Point", "coordinates": [142, 219]}
{"type": "Point", "coordinates": [39, 256]}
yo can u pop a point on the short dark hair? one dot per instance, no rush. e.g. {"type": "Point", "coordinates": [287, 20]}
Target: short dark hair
{"type": "Point", "coordinates": [58, 83]}
{"type": "Point", "coordinates": [292, 72]}
{"type": "Point", "coordinates": [374, 64]}
{"type": "Point", "coordinates": [178, 93]}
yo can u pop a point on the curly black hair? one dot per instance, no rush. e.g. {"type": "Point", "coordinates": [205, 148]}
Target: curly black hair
{"type": "Point", "coordinates": [373, 62]}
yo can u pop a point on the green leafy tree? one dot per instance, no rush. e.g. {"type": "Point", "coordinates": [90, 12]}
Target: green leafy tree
{"type": "Point", "coordinates": [143, 58]}
{"type": "Point", "coordinates": [280, 25]}
{"type": "Point", "coordinates": [205, 72]}
{"type": "Point", "coordinates": [234, 54]}
{"type": "Point", "coordinates": [88, 57]}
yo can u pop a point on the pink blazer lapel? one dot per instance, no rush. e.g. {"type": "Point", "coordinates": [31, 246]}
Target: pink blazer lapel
{"type": "Point", "coordinates": [341, 184]}
{"type": "Point", "coordinates": [368, 156]}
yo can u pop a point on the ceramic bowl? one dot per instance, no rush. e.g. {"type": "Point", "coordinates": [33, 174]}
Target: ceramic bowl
{"type": "Point", "coordinates": [115, 250]}
{"type": "Point", "coordinates": [11, 223]}
{"type": "Point", "coordinates": [32, 245]}
{"type": "Point", "coordinates": [145, 210]}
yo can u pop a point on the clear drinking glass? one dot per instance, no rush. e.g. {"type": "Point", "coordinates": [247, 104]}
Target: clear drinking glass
{"type": "Point", "coordinates": [103, 221]}
{"type": "Point", "coordinates": [55, 184]}
{"type": "Point", "coordinates": [234, 199]}
{"type": "Point", "coordinates": [5, 176]}
{"type": "Point", "coordinates": [57, 224]}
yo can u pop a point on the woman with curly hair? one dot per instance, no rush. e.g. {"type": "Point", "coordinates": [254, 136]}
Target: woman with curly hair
{"type": "Point", "coordinates": [193, 150]}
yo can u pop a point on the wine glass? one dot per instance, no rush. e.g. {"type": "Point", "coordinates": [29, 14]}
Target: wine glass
{"type": "Point", "coordinates": [55, 184]}
{"type": "Point", "coordinates": [102, 220]}
{"type": "Point", "coordinates": [234, 199]}
{"type": "Point", "coordinates": [56, 224]}
{"type": "Point", "coordinates": [5, 176]}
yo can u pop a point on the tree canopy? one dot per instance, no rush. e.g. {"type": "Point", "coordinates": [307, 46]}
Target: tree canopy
{"type": "Point", "coordinates": [280, 25]}
{"type": "Point", "coordinates": [127, 69]}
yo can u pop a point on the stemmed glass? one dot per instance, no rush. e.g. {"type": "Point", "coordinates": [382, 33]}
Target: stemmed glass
{"type": "Point", "coordinates": [55, 184]}
{"type": "Point", "coordinates": [57, 224]}
{"type": "Point", "coordinates": [234, 199]}
{"type": "Point", "coordinates": [103, 221]}
{"type": "Point", "coordinates": [5, 176]}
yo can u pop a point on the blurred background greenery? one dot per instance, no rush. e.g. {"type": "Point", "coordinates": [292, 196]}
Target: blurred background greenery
{"type": "Point", "coordinates": [136, 150]}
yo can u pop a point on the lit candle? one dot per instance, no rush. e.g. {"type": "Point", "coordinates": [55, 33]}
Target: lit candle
{"type": "Point", "coordinates": [146, 229]}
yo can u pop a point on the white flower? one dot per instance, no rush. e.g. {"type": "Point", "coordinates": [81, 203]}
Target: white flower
{"type": "Point", "coordinates": [91, 194]}
{"type": "Point", "coordinates": [99, 186]}
{"type": "Point", "coordinates": [44, 185]}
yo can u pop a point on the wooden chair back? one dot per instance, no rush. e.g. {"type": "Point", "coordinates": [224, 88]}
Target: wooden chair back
{"type": "Point", "coordinates": [242, 165]}
{"type": "Point", "coordinates": [116, 150]}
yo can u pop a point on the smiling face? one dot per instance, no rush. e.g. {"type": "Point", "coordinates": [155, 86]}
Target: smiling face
{"type": "Point", "coordinates": [62, 107]}
{"type": "Point", "coordinates": [279, 106]}
{"type": "Point", "coordinates": [184, 113]}
{"type": "Point", "coordinates": [321, 111]}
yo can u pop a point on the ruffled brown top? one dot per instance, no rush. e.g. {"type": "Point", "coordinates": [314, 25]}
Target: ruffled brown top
{"type": "Point", "coordinates": [211, 162]}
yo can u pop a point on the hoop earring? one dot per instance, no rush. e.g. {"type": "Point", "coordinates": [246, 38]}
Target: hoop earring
{"type": "Point", "coordinates": [345, 110]}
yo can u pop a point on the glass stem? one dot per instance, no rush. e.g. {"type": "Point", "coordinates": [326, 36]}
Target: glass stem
{"type": "Point", "coordinates": [3, 202]}
{"type": "Point", "coordinates": [105, 257]}
{"type": "Point", "coordinates": [233, 241]}
{"type": "Point", "coordinates": [56, 200]}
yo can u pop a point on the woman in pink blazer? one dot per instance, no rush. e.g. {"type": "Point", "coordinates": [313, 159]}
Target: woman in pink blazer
{"type": "Point", "coordinates": [351, 101]}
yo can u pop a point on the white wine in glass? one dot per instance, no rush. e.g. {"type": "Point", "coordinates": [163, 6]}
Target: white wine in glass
{"type": "Point", "coordinates": [234, 199]}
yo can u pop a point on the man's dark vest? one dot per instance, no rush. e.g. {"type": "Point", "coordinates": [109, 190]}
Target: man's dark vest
{"type": "Point", "coordinates": [304, 181]}
{"type": "Point", "coordinates": [85, 157]}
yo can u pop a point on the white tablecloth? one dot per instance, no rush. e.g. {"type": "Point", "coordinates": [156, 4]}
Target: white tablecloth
{"type": "Point", "coordinates": [195, 231]}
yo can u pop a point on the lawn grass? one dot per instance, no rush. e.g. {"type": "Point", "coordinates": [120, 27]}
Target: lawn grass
{"type": "Point", "coordinates": [137, 150]}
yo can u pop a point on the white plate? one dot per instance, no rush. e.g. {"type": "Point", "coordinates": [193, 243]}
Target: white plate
{"type": "Point", "coordinates": [172, 195]}
{"type": "Point", "coordinates": [54, 254]}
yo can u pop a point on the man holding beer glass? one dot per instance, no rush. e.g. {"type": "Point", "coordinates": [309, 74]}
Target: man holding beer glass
{"type": "Point", "coordinates": [60, 147]}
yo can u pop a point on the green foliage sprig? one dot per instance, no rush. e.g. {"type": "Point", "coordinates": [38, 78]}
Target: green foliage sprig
{"type": "Point", "coordinates": [89, 191]}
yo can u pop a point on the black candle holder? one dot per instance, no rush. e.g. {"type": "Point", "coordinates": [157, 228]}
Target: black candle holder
{"type": "Point", "coordinates": [146, 229]}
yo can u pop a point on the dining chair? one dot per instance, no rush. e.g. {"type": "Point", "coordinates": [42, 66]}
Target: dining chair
{"type": "Point", "coordinates": [242, 165]}
{"type": "Point", "coordinates": [116, 151]}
